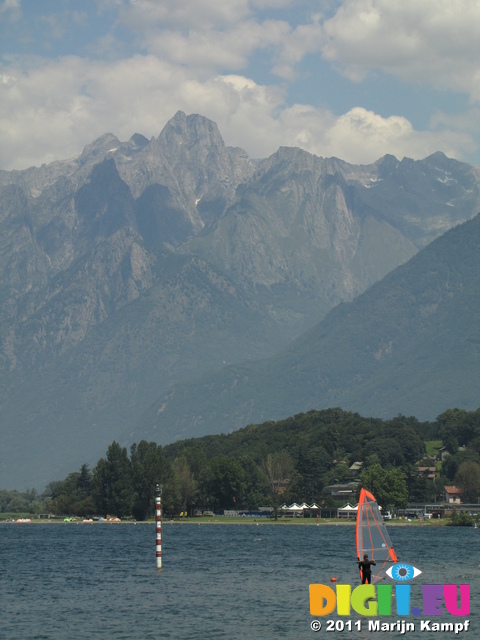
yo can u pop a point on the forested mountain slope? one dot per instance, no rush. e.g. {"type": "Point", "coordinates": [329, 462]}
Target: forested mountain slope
{"type": "Point", "coordinates": [409, 345]}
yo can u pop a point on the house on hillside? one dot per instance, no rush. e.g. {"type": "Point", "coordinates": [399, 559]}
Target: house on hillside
{"type": "Point", "coordinates": [356, 468]}
{"type": "Point", "coordinates": [427, 472]}
{"type": "Point", "coordinates": [452, 495]}
{"type": "Point", "coordinates": [341, 491]}
{"type": "Point", "coordinates": [443, 453]}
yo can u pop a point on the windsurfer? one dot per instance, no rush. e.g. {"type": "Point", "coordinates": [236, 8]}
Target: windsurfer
{"type": "Point", "coordinates": [365, 567]}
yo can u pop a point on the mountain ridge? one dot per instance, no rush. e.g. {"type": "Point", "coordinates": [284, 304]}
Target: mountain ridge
{"type": "Point", "coordinates": [139, 264]}
{"type": "Point", "coordinates": [381, 372]}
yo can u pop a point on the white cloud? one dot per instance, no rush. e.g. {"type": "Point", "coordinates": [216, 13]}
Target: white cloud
{"type": "Point", "coordinates": [358, 136]}
{"type": "Point", "coordinates": [144, 15]}
{"type": "Point", "coordinates": [216, 50]}
{"type": "Point", "coordinates": [303, 40]}
{"type": "Point", "coordinates": [54, 109]}
{"type": "Point", "coordinates": [11, 8]}
{"type": "Point", "coordinates": [7, 80]}
{"type": "Point", "coordinates": [206, 35]}
{"type": "Point", "coordinates": [361, 136]}
{"type": "Point", "coordinates": [430, 41]}
{"type": "Point", "coordinates": [197, 56]}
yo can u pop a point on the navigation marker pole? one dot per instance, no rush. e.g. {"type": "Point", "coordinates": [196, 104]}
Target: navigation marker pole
{"type": "Point", "coordinates": [158, 518]}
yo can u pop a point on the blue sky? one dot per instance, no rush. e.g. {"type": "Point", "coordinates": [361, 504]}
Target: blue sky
{"type": "Point", "coordinates": [355, 79]}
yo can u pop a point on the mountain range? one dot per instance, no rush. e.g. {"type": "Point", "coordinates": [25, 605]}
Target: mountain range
{"type": "Point", "coordinates": [158, 289]}
{"type": "Point", "coordinates": [409, 345]}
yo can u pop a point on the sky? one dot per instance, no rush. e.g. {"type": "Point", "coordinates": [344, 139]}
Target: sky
{"type": "Point", "coordinates": [354, 79]}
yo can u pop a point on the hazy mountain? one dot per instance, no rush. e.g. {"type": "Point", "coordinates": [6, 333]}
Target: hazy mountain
{"type": "Point", "coordinates": [410, 345]}
{"type": "Point", "coordinates": [307, 233]}
{"type": "Point", "coordinates": [141, 264]}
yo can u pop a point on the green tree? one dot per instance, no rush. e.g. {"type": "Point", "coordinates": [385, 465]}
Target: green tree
{"type": "Point", "coordinates": [450, 420]}
{"type": "Point", "coordinates": [71, 496]}
{"type": "Point", "coordinates": [416, 484]}
{"type": "Point", "coordinates": [461, 519]}
{"type": "Point", "coordinates": [451, 443]}
{"type": "Point", "coordinates": [279, 473]}
{"type": "Point", "coordinates": [387, 450]}
{"type": "Point", "coordinates": [405, 432]}
{"type": "Point", "coordinates": [186, 487]}
{"type": "Point", "coordinates": [474, 444]}
{"type": "Point", "coordinates": [15, 502]}
{"type": "Point", "coordinates": [467, 478]}
{"type": "Point", "coordinates": [254, 496]}
{"type": "Point", "coordinates": [371, 460]}
{"type": "Point", "coordinates": [312, 463]}
{"type": "Point", "coordinates": [112, 482]}
{"type": "Point", "coordinates": [226, 483]}
{"type": "Point", "coordinates": [149, 468]}
{"type": "Point", "coordinates": [387, 485]}
{"type": "Point", "coordinates": [84, 481]}
{"type": "Point", "coordinates": [197, 461]}
{"type": "Point", "coordinates": [452, 464]}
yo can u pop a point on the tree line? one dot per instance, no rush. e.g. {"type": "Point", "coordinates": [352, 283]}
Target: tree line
{"type": "Point", "coordinates": [271, 463]}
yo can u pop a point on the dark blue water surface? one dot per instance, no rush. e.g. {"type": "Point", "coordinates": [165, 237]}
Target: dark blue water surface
{"type": "Point", "coordinates": [218, 581]}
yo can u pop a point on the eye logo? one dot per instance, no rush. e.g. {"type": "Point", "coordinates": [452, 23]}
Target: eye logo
{"type": "Point", "coordinates": [403, 572]}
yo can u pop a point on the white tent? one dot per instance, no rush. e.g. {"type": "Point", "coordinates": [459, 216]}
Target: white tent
{"type": "Point", "coordinates": [347, 511]}
{"type": "Point", "coordinates": [293, 510]}
{"type": "Point", "coordinates": [295, 507]}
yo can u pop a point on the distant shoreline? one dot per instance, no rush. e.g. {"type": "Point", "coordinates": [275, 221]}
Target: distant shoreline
{"type": "Point", "coordinates": [225, 520]}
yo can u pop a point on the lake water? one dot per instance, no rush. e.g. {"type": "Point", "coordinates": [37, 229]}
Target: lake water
{"type": "Point", "coordinates": [241, 582]}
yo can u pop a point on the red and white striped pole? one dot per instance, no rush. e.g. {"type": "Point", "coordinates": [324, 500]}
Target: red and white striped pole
{"type": "Point", "coordinates": [158, 518]}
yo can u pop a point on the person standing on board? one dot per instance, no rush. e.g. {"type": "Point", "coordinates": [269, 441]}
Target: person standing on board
{"type": "Point", "coordinates": [365, 567]}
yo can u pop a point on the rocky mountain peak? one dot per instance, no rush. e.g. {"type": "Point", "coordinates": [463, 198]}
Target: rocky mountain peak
{"type": "Point", "coordinates": [208, 171]}
{"type": "Point", "coordinates": [190, 132]}
{"type": "Point", "coordinates": [138, 140]}
{"type": "Point", "coordinates": [386, 164]}
{"type": "Point", "coordinates": [107, 142]}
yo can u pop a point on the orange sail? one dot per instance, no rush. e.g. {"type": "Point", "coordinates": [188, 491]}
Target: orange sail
{"type": "Point", "coordinates": [372, 536]}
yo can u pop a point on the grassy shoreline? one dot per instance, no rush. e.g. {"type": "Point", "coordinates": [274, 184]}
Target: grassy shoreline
{"type": "Point", "coordinates": [226, 520]}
